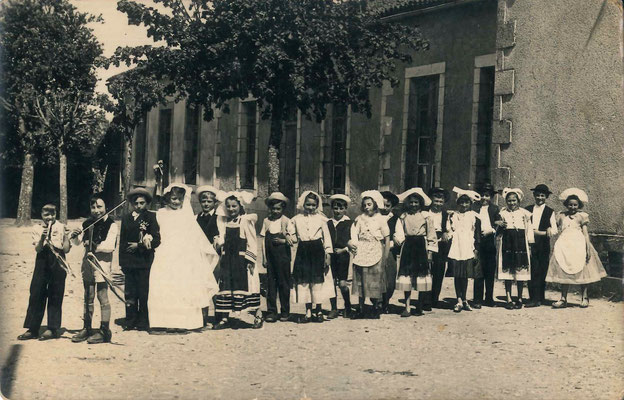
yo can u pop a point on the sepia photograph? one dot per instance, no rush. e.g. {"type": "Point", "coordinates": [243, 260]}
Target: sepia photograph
{"type": "Point", "coordinates": [311, 199]}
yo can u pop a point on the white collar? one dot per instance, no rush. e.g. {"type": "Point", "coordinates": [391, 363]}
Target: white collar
{"type": "Point", "coordinates": [536, 206]}
{"type": "Point", "coordinates": [345, 218]}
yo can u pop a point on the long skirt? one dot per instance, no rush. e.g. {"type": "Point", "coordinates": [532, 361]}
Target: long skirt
{"type": "Point", "coordinates": [310, 282]}
{"type": "Point", "coordinates": [514, 256]}
{"type": "Point", "coordinates": [369, 281]}
{"type": "Point", "coordinates": [239, 288]}
{"type": "Point", "coordinates": [414, 269]}
{"type": "Point", "coordinates": [568, 263]}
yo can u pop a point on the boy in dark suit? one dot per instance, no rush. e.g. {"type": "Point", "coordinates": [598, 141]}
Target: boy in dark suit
{"type": "Point", "coordinates": [544, 227]}
{"type": "Point", "coordinates": [438, 213]}
{"type": "Point", "coordinates": [488, 215]}
{"type": "Point", "coordinates": [207, 219]}
{"type": "Point", "coordinates": [139, 236]}
{"type": "Point", "coordinates": [48, 280]}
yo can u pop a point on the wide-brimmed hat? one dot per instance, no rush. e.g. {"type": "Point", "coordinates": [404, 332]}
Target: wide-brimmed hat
{"type": "Point", "coordinates": [471, 194]}
{"type": "Point", "coordinates": [340, 197]}
{"type": "Point", "coordinates": [542, 188]}
{"type": "Point", "coordinates": [391, 197]}
{"type": "Point", "coordinates": [276, 196]}
{"type": "Point", "coordinates": [139, 192]}
{"type": "Point", "coordinates": [439, 190]}
{"type": "Point", "coordinates": [375, 195]}
{"type": "Point", "coordinates": [582, 196]}
{"type": "Point", "coordinates": [418, 191]}
{"type": "Point", "coordinates": [486, 188]}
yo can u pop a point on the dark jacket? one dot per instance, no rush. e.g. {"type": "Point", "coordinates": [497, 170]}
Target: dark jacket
{"type": "Point", "coordinates": [208, 224]}
{"type": "Point", "coordinates": [131, 232]}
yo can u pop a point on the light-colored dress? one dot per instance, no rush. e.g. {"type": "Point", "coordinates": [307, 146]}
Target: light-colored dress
{"type": "Point", "coordinates": [568, 263]}
{"type": "Point", "coordinates": [181, 278]}
{"type": "Point", "coordinates": [462, 227]}
{"type": "Point", "coordinates": [368, 234]}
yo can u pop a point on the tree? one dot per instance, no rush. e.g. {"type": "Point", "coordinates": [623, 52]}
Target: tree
{"type": "Point", "coordinates": [46, 48]}
{"type": "Point", "coordinates": [134, 93]}
{"type": "Point", "coordinates": [304, 54]}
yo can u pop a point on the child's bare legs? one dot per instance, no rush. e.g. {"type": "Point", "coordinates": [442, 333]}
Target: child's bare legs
{"type": "Point", "coordinates": [104, 334]}
{"type": "Point", "coordinates": [89, 297]}
{"type": "Point", "coordinates": [563, 301]}
{"type": "Point", "coordinates": [520, 288]}
{"type": "Point", "coordinates": [408, 299]}
{"type": "Point", "coordinates": [508, 285]}
{"type": "Point", "coordinates": [584, 297]}
{"type": "Point", "coordinates": [461, 287]}
{"type": "Point", "coordinates": [308, 313]}
{"type": "Point", "coordinates": [346, 296]}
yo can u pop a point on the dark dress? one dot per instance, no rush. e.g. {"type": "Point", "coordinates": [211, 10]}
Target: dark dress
{"type": "Point", "coordinates": [234, 292]}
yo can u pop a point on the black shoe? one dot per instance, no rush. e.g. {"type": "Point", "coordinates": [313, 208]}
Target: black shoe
{"type": "Point", "coordinates": [332, 314]}
{"type": "Point", "coordinates": [489, 303]}
{"type": "Point", "coordinates": [223, 324]}
{"type": "Point", "coordinates": [357, 315]}
{"type": "Point", "coordinates": [258, 323]}
{"type": "Point", "coordinates": [284, 317]}
{"type": "Point", "coordinates": [518, 305]}
{"type": "Point", "coordinates": [304, 319]}
{"type": "Point", "coordinates": [318, 317]}
{"type": "Point", "coordinates": [346, 313]}
{"type": "Point", "coordinates": [49, 334]}
{"type": "Point", "coordinates": [272, 317]}
{"type": "Point", "coordinates": [28, 335]}
{"type": "Point", "coordinates": [81, 336]}
{"type": "Point", "coordinates": [418, 312]}
{"type": "Point", "coordinates": [426, 307]}
{"type": "Point", "coordinates": [476, 306]}
{"type": "Point", "coordinates": [533, 304]}
{"type": "Point", "coordinates": [510, 305]}
{"type": "Point", "coordinates": [102, 335]}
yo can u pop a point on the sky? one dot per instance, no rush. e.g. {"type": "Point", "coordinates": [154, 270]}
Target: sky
{"type": "Point", "coordinates": [114, 32]}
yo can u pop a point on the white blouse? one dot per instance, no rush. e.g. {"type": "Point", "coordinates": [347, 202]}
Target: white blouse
{"type": "Point", "coordinates": [306, 228]}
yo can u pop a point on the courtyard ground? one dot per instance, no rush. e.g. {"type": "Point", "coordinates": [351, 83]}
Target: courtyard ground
{"type": "Point", "coordinates": [492, 353]}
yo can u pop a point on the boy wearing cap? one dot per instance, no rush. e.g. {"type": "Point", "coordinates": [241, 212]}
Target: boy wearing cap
{"type": "Point", "coordinates": [140, 235]}
{"type": "Point", "coordinates": [207, 218]}
{"type": "Point", "coordinates": [489, 215]}
{"type": "Point", "coordinates": [544, 227]}
{"type": "Point", "coordinates": [48, 280]}
{"type": "Point", "coordinates": [340, 232]}
{"type": "Point", "coordinates": [276, 256]}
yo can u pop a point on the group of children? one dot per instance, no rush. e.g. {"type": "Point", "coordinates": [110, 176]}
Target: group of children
{"type": "Point", "coordinates": [177, 265]}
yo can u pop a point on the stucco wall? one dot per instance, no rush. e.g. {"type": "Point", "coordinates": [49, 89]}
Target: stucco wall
{"type": "Point", "coordinates": [567, 105]}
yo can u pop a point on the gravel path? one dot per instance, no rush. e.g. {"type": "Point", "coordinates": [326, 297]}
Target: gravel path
{"type": "Point", "coordinates": [489, 353]}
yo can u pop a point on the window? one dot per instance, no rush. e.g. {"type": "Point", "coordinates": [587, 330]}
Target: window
{"type": "Point", "coordinates": [140, 140]}
{"type": "Point", "coordinates": [165, 118]}
{"type": "Point", "coordinates": [191, 143]}
{"type": "Point", "coordinates": [247, 160]}
{"type": "Point", "coordinates": [335, 160]}
{"type": "Point", "coordinates": [484, 125]}
{"type": "Point", "coordinates": [422, 123]}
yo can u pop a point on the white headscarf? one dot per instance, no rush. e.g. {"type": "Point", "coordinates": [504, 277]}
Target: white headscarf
{"type": "Point", "coordinates": [472, 195]}
{"type": "Point", "coordinates": [305, 194]}
{"type": "Point", "coordinates": [574, 192]}
{"type": "Point", "coordinates": [417, 191]}
{"type": "Point", "coordinates": [243, 198]}
{"type": "Point", "coordinates": [186, 208]}
{"type": "Point", "coordinates": [375, 195]}
{"type": "Point", "coordinates": [517, 191]}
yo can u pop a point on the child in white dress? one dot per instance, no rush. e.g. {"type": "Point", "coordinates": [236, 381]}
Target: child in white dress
{"type": "Point", "coordinates": [574, 259]}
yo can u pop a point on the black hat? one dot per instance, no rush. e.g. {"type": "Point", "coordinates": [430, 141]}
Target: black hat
{"type": "Point", "coordinates": [391, 197]}
{"type": "Point", "coordinates": [487, 188]}
{"type": "Point", "coordinates": [438, 190]}
{"type": "Point", "coordinates": [139, 192]}
{"type": "Point", "coordinates": [542, 188]}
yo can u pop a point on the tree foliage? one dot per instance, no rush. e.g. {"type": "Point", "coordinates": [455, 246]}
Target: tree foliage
{"type": "Point", "coordinates": [305, 54]}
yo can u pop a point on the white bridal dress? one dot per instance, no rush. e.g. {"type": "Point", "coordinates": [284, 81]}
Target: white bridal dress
{"type": "Point", "coordinates": [181, 278]}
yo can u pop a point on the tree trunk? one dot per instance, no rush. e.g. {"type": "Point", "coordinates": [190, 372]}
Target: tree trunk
{"type": "Point", "coordinates": [24, 207]}
{"type": "Point", "coordinates": [126, 174]}
{"type": "Point", "coordinates": [274, 144]}
{"type": "Point", "coordinates": [63, 187]}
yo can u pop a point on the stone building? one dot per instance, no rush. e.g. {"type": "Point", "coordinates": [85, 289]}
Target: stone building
{"type": "Point", "coordinates": [511, 92]}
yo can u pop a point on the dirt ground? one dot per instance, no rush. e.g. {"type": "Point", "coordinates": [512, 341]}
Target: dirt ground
{"type": "Point", "coordinates": [489, 353]}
